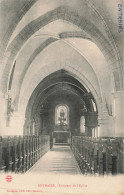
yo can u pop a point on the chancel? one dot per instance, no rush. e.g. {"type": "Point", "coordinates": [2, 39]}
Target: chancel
{"type": "Point", "coordinates": [61, 132]}
{"type": "Point", "coordinates": [61, 87]}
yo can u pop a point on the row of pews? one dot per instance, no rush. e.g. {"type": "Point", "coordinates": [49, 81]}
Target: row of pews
{"type": "Point", "coordinates": [18, 154]}
{"type": "Point", "coordinates": [99, 156]}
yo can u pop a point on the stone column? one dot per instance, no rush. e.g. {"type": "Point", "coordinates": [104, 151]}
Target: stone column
{"type": "Point", "coordinates": [93, 132]}
{"type": "Point", "coordinates": [96, 132]}
{"type": "Point", "coordinates": [119, 113]}
{"type": "Point", "coordinates": [17, 124]}
{"type": "Point", "coordinates": [3, 115]}
{"type": "Point", "coordinates": [103, 127]}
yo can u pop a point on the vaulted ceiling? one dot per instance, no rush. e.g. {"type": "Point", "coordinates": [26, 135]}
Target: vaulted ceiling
{"type": "Point", "coordinates": [43, 37]}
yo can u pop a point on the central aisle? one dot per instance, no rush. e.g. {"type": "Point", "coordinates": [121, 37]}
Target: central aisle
{"type": "Point", "coordinates": [60, 160]}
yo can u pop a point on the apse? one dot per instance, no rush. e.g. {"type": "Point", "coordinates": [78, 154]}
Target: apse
{"type": "Point", "coordinates": [60, 94]}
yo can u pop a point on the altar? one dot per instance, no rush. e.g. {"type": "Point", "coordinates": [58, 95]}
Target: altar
{"type": "Point", "coordinates": [61, 137]}
{"type": "Point", "coordinates": [61, 133]}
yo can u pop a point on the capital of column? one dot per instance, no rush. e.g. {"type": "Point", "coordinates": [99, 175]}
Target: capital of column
{"type": "Point", "coordinates": [103, 120]}
{"type": "Point", "coordinates": [118, 94]}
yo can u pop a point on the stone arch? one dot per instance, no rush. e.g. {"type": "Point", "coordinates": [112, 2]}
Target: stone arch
{"type": "Point", "coordinates": [43, 46]}
{"type": "Point", "coordinates": [45, 86]}
{"type": "Point", "coordinates": [37, 105]}
{"type": "Point", "coordinates": [77, 74]}
{"type": "Point", "coordinates": [13, 25]}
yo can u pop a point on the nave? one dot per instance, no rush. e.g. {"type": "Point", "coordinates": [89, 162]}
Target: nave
{"type": "Point", "coordinates": [84, 155]}
{"type": "Point", "coordinates": [59, 160]}
{"type": "Point", "coordinates": [61, 83]}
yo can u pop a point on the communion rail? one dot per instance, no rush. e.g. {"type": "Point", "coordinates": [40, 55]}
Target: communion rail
{"type": "Point", "coordinates": [18, 154]}
{"type": "Point", "coordinates": [99, 156]}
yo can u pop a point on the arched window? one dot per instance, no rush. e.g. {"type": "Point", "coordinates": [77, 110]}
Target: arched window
{"type": "Point", "coordinates": [82, 124]}
{"type": "Point", "coordinates": [62, 115]}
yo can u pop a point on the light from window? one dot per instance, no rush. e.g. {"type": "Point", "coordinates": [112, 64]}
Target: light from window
{"type": "Point", "coordinates": [82, 124]}
{"type": "Point", "coordinates": [61, 115]}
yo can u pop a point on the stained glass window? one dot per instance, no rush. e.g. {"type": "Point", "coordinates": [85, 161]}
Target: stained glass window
{"type": "Point", "coordinates": [61, 115]}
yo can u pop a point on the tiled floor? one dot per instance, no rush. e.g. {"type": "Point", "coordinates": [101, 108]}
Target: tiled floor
{"type": "Point", "coordinates": [60, 160]}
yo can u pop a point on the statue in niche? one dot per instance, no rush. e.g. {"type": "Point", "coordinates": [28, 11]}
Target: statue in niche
{"type": "Point", "coordinates": [11, 106]}
{"type": "Point", "coordinates": [10, 109]}
{"type": "Point", "coordinates": [62, 118]}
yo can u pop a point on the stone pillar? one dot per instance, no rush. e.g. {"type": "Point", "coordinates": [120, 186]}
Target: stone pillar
{"type": "Point", "coordinates": [104, 127]}
{"type": "Point", "coordinates": [3, 115]}
{"type": "Point", "coordinates": [107, 122]}
{"type": "Point", "coordinates": [119, 113]}
{"type": "Point", "coordinates": [96, 132]}
{"type": "Point", "coordinates": [93, 132]}
{"type": "Point", "coordinates": [16, 126]}
{"type": "Point", "coordinates": [107, 127]}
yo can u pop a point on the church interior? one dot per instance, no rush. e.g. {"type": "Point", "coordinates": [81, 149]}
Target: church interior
{"type": "Point", "coordinates": [61, 87]}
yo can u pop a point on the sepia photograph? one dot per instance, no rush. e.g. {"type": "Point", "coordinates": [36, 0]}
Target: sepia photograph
{"type": "Point", "coordinates": [62, 97]}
